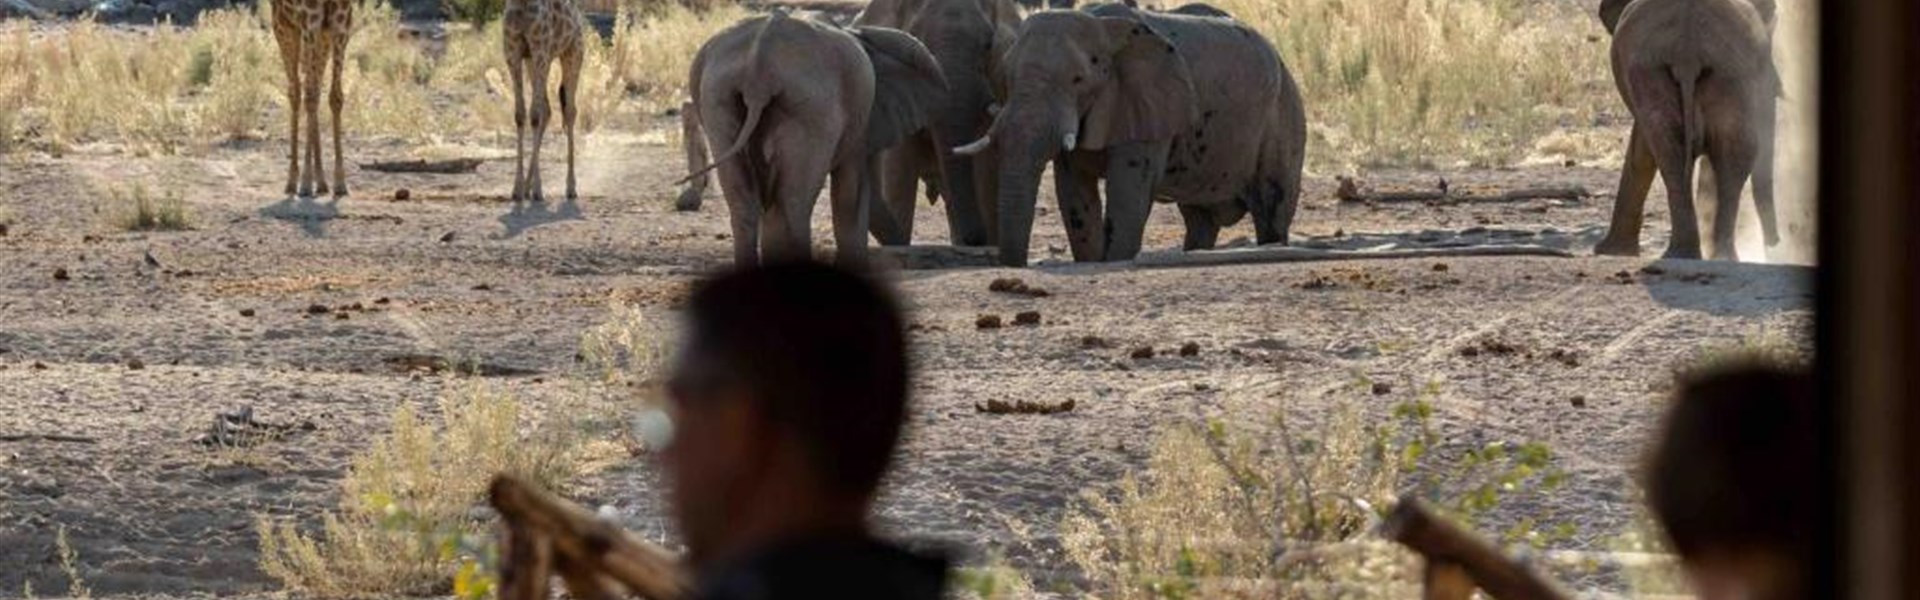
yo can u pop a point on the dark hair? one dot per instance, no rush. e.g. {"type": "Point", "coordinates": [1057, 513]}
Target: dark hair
{"type": "Point", "coordinates": [1735, 467]}
{"type": "Point", "coordinates": [822, 351]}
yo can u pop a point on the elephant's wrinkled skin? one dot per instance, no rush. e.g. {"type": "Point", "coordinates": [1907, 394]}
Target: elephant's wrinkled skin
{"type": "Point", "coordinates": [1196, 110]}
{"type": "Point", "coordinates": [966, 37]}
{"type": "Point", "coordinates": [794, 100]}
{"type": "Point", "coordinates": [1698, 76]}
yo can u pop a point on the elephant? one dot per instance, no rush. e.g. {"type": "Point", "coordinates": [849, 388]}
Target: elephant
{"type": "Point", "coordinates": [794, 100]}
{"type": "Point", "coordinates": [1196, 110]}
{"type": "Point", "coordinates": [966, 37]}
{"type": "Point", "coordinates": [1699, 79]}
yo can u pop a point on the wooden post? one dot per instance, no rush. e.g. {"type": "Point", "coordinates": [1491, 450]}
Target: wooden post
{"type": "Point", "coordinates": [548, 536]}
{"type": "Point", "coordinates": [1451, 551]}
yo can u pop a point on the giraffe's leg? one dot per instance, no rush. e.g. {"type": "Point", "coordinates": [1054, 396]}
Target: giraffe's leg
{"type": "Point", "coordinates": [542, 112]}
{"type": "Point", "coordinates": [516, 68]}
{"type": "Point", "coordinates": [312, 63]}
{"type": "Point", "coordinates": [569, 107]}
{"type": "Point", "coordinates": [290, 58]}
{"type": "Point", "coordinates": [336, 98]}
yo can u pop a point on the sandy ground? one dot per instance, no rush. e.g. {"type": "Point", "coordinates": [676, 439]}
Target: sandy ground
{"type": "Point", "coordinates": [139, 358]}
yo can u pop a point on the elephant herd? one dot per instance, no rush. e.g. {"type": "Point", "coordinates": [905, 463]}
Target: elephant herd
{"type": "Point", "coordinates": [966, 103]}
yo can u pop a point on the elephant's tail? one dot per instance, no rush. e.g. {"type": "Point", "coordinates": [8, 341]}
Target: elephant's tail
{"type": "Point", "coordinates": [1687, 75]}
{"type": "Point", "coordinates": [754, 107]}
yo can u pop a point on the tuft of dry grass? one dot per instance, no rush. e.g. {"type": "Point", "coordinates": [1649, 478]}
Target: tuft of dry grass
{"type": "Point", "coordinates": [137, 209]}
{"type": "Point", "coordinates": [1429, 82]}
{"type": "Point", "coordinates": [1223, 511]}
{"type": "Point", "coordinates": [70, 566]}
{"type": "Point", "coordinates": [406, 507]}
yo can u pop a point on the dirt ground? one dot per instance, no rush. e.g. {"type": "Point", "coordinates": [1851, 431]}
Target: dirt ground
{"type": "Point", "coordinates": [135, 358]}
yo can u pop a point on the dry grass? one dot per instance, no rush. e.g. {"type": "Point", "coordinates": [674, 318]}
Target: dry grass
{"type": "Point", "coordinates": [137, 209]}
{"type": "Point", "coordinates": [1425, 82]}
{"type": "Point", "coordinates": [165, 90]}
{"type": "Point", "coordinates": [406, 524]}
{"type": "Point", "coordinates": [70, 566]}
{"type": "Point", "coordinates": [405, 513]}
{"type": "Point", "coordinates": [1226, 512]}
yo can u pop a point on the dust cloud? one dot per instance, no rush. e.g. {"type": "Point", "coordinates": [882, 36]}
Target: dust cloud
{"type": "Point", "coordinates": [1796, 136]}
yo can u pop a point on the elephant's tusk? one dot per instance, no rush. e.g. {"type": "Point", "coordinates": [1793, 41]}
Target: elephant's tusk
{"type": "Point", "coordinates": [1070, 141]}
{"type": "Point", "coordinates": [975, 147]}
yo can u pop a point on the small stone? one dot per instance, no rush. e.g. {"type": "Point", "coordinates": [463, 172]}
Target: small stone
{"type": "Point", "coordinates": [39, 366]}
{"type": "Point", "coordinates": [719, 236]}
{"type": "Point", "coordinates": [1579, 401]}
{"type": "Point", "coordinates": [402, 195]}
{"type": "Point", "coordinates": [1440, 267]}
{"type": "Point", "coordinates": [136, 364]}
{"type": "Point", "coordinates": [448, 238]}
{"type": "Point", "coordinates": [382, 300]}
{"type": "Point", "coordinates": [1094, 341]}
{"type": "Point", "coordinates": [483, 287]}
{"type": "Point", "coordinates": [1190, 349]}
{"type": "Point", "coordinates": [987, 322]}
{"type": "Point", "coordinates": [60, 274]}
{"type": "Point", "coordinates": [1653, 270]}
{"type": "Point", "coordinates": [1381, 388]}
{"type": "Point", "coordinates": [318, 309]}
{"type": "Point", "coordinates": [246, 312]}
{"type": "Point", "coordinates": [341, 316]}
{"type": "Point", "coordinates": [1029, 318]}
{"type": "Point", "coordinates": [1006, 284]}
{"type": "Point", "coordinates": [1142, 353]}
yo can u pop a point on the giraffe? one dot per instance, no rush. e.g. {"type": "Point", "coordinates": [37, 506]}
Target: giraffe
{"type": "Point", "coordinates": [537, 32]}
{"type": "Point", "coordinates": [312, 34]}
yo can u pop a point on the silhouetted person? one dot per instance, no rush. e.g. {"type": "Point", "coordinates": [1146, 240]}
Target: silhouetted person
{"type": "Point", "coordinates": [1733, 479]}
{"type": "Point", "coordinates": [786, 406]}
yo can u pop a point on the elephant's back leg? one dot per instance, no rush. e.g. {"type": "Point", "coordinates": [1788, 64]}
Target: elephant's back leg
{"type": "Point", "coordinates": [742, 178]}
{"type": "Point", "coordinates": [1732, 147]}
{"type": "Point", "coordinates": [1659, 113]}
{"type": "Point", "coordinates": [797, 171]}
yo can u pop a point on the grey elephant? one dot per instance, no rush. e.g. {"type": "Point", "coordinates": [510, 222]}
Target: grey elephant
{"type": "Point", "coordinates": [1196, 110]}
{"type": "Point", "coordinates": [1699, 78]}
{"type": "Point", "coordinates": [794, 101]}
{"type": "Point", "coordinates": [967, 37]}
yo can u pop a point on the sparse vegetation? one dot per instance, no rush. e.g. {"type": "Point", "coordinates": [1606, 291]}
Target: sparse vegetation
{"type": "Point", "coordinates": [1272, 511]}
{"type": "Point", "coordinates": [405, 523]}
{"type": "Point", "coordinates": [70, 566]}
{"type": "Point", "coordinates": [1427, 82]}
{"type": "Point", "coordinates": [161, 90]}
{"type": "Point", "coordinates": [137, 209]}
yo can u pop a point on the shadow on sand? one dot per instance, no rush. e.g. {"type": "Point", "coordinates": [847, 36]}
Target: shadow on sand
{"type": "Point", "coordinates": [1729, 289]}
{"type": "Point", "coordinates": [528, 215]}
{"type": "Point", "coordinates": [311, 215]}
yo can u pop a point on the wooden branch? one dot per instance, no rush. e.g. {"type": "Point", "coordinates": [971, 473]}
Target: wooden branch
{"type": "Point", "coordinates": [452, 166]}
{"type": "Point", "coordinates": [1286, 254]}
{"type": "Point", "coordinates": [1440, 541]}
{"type": "Point", "coordinates": [48, 437]}
{"type": "Point", "coordinates": [1350, 191]}
{"type": "Point", "coordinates": [584, 547]}
{"type": "Point", "coordinates": [1447, 581]}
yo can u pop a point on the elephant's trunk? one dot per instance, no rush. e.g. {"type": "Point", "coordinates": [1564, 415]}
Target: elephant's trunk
{"type": "Point", "coordinates": [1020, 169]}
{"type": "Point", "coordinates": [1028, 135]}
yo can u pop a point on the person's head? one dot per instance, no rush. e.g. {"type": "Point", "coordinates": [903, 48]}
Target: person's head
{"type": "Point", "coordinates": [788, 397]}
{"type": "Point", "coordinates": [1733, 479]}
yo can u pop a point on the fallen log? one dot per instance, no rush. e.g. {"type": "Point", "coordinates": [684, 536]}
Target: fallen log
{"type": "Point", "coordinates": [451, 166]}
{"type": "Point", "coordinates": [547, 536]}
{"type": "Point", "coordinates": [48, 437]}
{"type": "Point", "coordinates": [913, 258]}
{"type": "Point", "coordinates": [1350, 192]}
{"type": "Point", "coordinates": [1452, 552]}
{"type": "Point", "coordinates": [1286, 254]}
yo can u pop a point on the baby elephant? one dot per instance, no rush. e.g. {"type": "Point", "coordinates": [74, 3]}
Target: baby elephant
{"type": "Point", "coordinates": [1698, 76]}
{"type": "Point", "coordinates": [793, 100]}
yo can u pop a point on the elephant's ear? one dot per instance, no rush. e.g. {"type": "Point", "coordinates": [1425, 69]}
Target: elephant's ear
{"type": "Point", "coordinates": [1150, 96]}
{"type": "Point", "coordinates": [907, 85]}
{"type": "Point", "coordinates": [1610, 13]}
{"type": "Point", "coordinates": [882, 13]}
